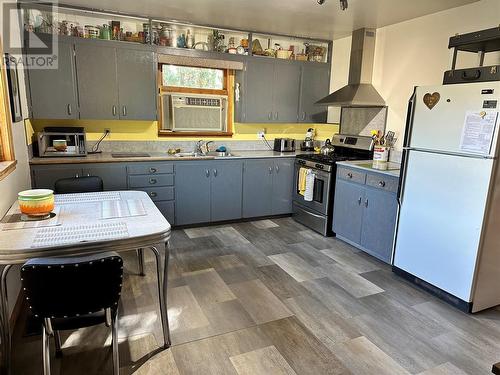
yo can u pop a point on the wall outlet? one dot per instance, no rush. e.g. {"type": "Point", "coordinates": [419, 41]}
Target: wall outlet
{"type": "Point", "coordinates": [261, 134]}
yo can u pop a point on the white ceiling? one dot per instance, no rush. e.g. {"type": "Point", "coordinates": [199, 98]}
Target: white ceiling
{"type": "Point", "coordinates": [293, 17]}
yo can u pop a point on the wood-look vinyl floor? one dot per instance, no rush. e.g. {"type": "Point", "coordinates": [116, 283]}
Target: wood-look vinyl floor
{"type": "Point", "coordinates": [272, 297]}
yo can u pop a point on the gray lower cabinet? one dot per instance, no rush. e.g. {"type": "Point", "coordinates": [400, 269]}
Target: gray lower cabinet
{"type": "Point", "coordinates": [267, 187]}
{"type": "Point", "coordinates": [45, 176]}
{"type": "Point", "coordinates": [257, 188]}
{"type": "Point", "coordinates": [282, 186]}
{"type": "Point", "coordinates": [192, 193]}
{"type": "Point", "coordinates": [365, 211]}
{"type": "Point", "coordinates": [208, 191]}
{"type": "Point", "coordinates": [348, 211]}
{"type": "Point", "coordinates": [97, 82]}
{"type": "Point", "coordinates": [114, 176]}
{"type": "Point", "coordinates": [315, 85]}
{"type": "Point", "coordinates": [53, 93]}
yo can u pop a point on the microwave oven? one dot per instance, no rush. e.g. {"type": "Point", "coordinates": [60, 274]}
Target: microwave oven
{"type": "Point", "coordinates": [194, 112]}
{"type": "Point", "coordinates": [73, 138]}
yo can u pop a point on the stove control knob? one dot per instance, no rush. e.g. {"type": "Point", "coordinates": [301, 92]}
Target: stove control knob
{"type": "Point", "coordinates": [303, 162]}
{"type": "Point", "coordinates": [320, 166]}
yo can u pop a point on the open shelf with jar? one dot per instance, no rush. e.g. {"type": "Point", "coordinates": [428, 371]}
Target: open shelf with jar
{"type": "Point", "coordinates": [176, 37]}
{"type": "Point", "coordinates": [48, 19]}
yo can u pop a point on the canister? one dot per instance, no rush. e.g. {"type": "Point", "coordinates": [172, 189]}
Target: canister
{"type": "Point", "coordinates": [381, 153]}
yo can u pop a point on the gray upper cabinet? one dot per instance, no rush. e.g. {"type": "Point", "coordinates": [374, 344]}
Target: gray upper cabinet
{"type": "Point", "coordinates": [257, 90]}
{"type": "Point", "coordinates": [114, 176]}
{"type": "Point", "coordinates": [315, 85]}
{"type": "Point", "coordinates": [282, 186]}
{"type": "Point", "coordinates": [257, 188]}
{"type": "Point", "coordinates": [226, 190]}
{"type": "Point", "coordinates": [136, 84]}
{"type": "Point", "coordinates": [97, 82]}
{"type": "Point", "coordinates": [53, 91]}
{"type": "Point", "coordinates": [286, 91]}
{"type": "Point", "coordinates": [192, 193]}
{"type": "Point", "coordinates": [348, 211]}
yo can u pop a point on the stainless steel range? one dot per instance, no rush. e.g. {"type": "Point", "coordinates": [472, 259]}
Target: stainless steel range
{"type": "Point", "coordinates": [317, 213]}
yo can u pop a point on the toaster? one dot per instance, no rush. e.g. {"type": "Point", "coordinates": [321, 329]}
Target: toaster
{"type": "Point", "coordinates": [284, 145]}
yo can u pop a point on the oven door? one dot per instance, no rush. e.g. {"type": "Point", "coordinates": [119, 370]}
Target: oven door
{"type": "Point", "coordinates": [322, 187]}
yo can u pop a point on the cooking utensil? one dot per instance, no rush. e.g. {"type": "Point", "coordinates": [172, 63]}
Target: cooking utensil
{"type": "Point", "coordinates": [327, 148]}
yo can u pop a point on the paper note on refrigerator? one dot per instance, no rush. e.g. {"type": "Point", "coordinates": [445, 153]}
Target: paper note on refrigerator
{"type": "Point", "coordinates": [478, 131]}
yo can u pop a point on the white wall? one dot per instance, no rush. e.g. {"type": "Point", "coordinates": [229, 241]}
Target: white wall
{"type": "Point", "coordinates": [19, 179]}
{"type": "Point", "coordinates": [415, 53]}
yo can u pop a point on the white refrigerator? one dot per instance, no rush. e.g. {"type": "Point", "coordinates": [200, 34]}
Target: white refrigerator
{"type": "Point", "coordinates": [448, 234]}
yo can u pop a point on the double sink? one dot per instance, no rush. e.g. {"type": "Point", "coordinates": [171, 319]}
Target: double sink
{"type": "Point", "coordinates": [179, 154]}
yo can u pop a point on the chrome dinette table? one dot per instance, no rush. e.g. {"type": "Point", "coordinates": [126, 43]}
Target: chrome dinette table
{"type": "Point", "coordinates": [84, 224]}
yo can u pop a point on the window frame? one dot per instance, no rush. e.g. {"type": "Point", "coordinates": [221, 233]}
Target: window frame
{"type": "Point", "coordinates": [7, 157]}
{"type": "Point", "coordinates": [228, 84]}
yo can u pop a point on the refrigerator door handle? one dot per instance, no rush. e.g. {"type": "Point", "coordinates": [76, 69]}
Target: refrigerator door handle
{"type": "Point", "coordinates": [449, 153]}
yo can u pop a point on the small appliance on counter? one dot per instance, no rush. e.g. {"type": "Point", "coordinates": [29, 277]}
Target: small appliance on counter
{"type": "Point", "coordinates": [308, 143]}
{"type": "Point", "coordinates": [56, 141]}
{"type": "Point", "coordinates": [284, 145]}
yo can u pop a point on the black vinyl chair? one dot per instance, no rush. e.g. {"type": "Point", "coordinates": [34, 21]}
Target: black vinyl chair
{"type": "Point", "coordinates": [72, 293]}
{"type": "Point", "coordinates": [89, 184]}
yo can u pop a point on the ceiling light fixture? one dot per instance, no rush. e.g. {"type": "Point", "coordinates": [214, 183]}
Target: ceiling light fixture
{"type": "Point", "coordinates": [343, 4]}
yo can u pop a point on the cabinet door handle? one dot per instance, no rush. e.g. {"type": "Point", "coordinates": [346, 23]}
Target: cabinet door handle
{"type": "Point", "coordinates": [152, 181]}
{"type": "Point", "coordinates": [270, 115]}
{"type": "Point", "coordinates": [207, 172]}
{"type": "Point", "coordinates": [276, 115]}
{"type": "Point", "coordinates": [349, 175]}
{"type": "Point", "coordinates": [381, 184]}
{"type": "Point", "coordinates": [270, 170]}
{"type": "Point", "coordinates": [124, 111]}
{"type": "Point", "coordinates": [88, 174]}
{"type": "Point", "coordinates": [153, 194]}
{"type": "Point", "coordinates": [303, 115]}
{"type": "Point", "coordinates": [366, 202]}
{"type": "Point", "coordinates": [114, 110]}
{"type": "Point", "coordinates": [277, 168]}
{"type": "Point", "coordinates": [215, 172]}
{"type": "Point", "coordinates": [69, 110]}
{"type": "Point", "coordinates": [152, 170]}
{"type": "Point", "coordinates": [359, 201]}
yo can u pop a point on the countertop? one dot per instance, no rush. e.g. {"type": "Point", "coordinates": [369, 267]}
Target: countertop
{"type": "Point", "coordinates": [389, 168]}
{"type": "Point", "coordinates": [106, 157]}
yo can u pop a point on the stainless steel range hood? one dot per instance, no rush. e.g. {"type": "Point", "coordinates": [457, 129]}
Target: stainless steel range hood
{"type": "Point", "coordinates": [359, 92]}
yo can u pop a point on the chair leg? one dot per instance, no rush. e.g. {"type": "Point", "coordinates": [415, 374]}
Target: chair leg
{"type": "Point", "coordinates": [140, 260]}
{"type": "Point", "coordinates": [57, 340]}
{"type": "Point", "coordinates": [114, 335]}
{"type": "Point", "coordinates": [45, 351]}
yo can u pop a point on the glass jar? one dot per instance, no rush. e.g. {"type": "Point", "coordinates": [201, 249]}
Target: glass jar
{"type": "Point", "coordinates": [165, 36]}
{"type": "Point", "coordinates": [146, 33]}
{"type": "Point", "coordinates": [105, 32]}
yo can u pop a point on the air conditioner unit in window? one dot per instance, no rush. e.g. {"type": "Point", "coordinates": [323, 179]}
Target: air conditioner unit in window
{"type": "Point", "coordinates": [194, 112]}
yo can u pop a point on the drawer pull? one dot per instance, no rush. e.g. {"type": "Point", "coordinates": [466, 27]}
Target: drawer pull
{"type": "Point", "coordinates": [270, 170]}
{"type": "Point", "coordinates": [152, 181]}
{"type": "Point", "coordinates": [215, 172]}
{"type": "Point", "coordinates": [359, 201]}
{"type": "Point", "coordinates": [207, 172]}
{"type": "Point", "coordinates": [153, 170]}
{"type": "Point", "coordinates": [153, 194]}
{"type": "Point", "coordinates": [381, 183]}
{"type": "Point", "coordinates": [366, 202]}
{"type": "Point", "coordinates": [349, 175]}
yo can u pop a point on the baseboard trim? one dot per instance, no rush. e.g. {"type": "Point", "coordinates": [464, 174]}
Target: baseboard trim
{"type": "Point", "coordinates": [435, 291]}
{"type": "Point", "coordinates": [242, 220]}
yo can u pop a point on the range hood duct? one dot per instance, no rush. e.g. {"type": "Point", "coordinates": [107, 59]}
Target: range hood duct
{"type": "Point", "coordinates": [359, 92]}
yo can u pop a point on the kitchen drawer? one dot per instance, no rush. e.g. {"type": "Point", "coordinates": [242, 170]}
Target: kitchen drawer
{"type": "Point", "coordinates": [383, 182]}
{"type": "Point", "coordinates": [352, 175]}
{"type": "Point", "coordinates": [167, 209]}
{"type": "Point", "coordinates": [159, 193]}
{"type": "Point", "coordinates": [150, 168]}
{"type": "Point", "coordinates": [137, 181]}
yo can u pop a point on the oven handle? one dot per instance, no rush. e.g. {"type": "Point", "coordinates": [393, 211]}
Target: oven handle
{"type": "Point", "coordinates": [315, 215]}
{"type": "Point", "coordinates": [317, 172]}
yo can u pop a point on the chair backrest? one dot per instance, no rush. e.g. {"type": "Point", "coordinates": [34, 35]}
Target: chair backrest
{"type": "Point", "coordinates": [69, 287]}
{"type": "Point", "coordinates": [87, 184]}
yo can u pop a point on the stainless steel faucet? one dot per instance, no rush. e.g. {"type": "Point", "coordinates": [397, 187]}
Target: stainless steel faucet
{"type": "Point", "coordinates": [207, 146]}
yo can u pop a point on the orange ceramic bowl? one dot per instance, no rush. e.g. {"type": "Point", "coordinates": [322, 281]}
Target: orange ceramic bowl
{"type": "Point", "coordinates": [36, 202]}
